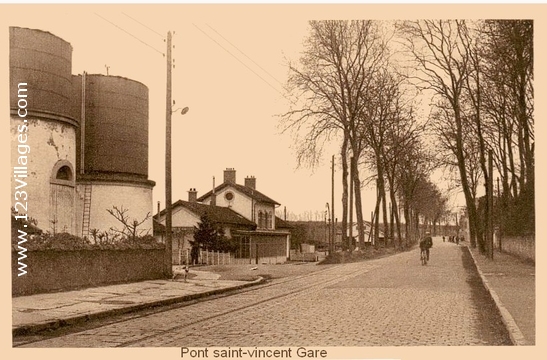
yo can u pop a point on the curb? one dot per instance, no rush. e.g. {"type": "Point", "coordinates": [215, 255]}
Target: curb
{"type": "Point", "coordinates": [512, 328]}
{"type": "Point", "coordinates": [74, 320]}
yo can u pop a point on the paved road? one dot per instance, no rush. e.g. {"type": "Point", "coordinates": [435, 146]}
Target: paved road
{"type": "Point", "coordinates": [385, 302]}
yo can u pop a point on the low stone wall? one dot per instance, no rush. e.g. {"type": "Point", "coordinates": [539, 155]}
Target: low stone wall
{"type": "Point", "coordinates": [310, 257]}
{"type": "Point", "coordinates": [521, 246]}
{"type": "Point", "coordinates": [270, 260]}
{"type": "Point", "coordinates": [56, 270]}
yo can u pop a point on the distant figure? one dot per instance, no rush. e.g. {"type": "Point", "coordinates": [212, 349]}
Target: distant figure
{"type": "Point", "coordinates": [426, 243]}
{"type": "Point", "coordinates": [194, 254]}
{"type": "Point", "coordinates": [458, 240]}
{"type": "Point", "coordinates": [443, 238]}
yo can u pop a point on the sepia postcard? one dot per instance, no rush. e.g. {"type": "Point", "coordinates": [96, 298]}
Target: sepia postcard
{"type": "Point", "coordinates": [273, 180]}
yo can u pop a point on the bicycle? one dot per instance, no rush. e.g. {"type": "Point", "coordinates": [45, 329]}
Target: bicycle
{"type": "Point", "coordinates": [423, 257]}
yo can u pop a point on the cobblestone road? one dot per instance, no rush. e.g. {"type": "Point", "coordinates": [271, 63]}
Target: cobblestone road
{"type": "Point", "coordinates": [385, 302]}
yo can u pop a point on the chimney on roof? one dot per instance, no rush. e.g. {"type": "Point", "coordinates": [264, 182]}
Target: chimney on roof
{"type": "Point", "coordinates": [250, 182]}
{"type": "Point", "coordinates": [192, 195]}
{"type": "Point", "coordinates": [230, 175]}
{"type": "Point", "coordinates": [213, 194]}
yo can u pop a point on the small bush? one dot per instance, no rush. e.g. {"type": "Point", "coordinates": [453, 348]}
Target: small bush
{"type": "Point", "coordinates": [68, 242]}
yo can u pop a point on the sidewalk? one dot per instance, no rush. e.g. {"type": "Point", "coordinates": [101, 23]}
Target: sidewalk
{"type": "Point", "coordinates": [511, 283]}
{"type": "Point", "coordinates": [34, 313]}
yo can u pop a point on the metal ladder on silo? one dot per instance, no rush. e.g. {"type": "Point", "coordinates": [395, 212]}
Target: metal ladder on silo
{"type": "Point", "coordinates": [87, 210]}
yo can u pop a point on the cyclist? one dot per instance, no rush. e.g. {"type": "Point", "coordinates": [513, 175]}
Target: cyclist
{"type": "Point", "coordinates": [426, 243]}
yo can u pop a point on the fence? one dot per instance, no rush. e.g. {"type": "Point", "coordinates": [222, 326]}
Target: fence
{"type": "Point", "coordinates": [220, 258]}
{"type": "Point", "coordinates": [224, 258]}
{"type": "Point", "coordinates": [212, 258]}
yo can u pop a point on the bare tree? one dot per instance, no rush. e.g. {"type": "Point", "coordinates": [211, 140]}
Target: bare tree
{"type": "Point", "coordinates": [404, 132]}
{"type": "Point", "coordinates": [336, 68]}
{"type": "Point", "coordinates": [130, 227]}
{"type": "Point", "coordinates": [387, 112]}
{"type": "Point", "coordinates": [440, 51]}
{"type": "Point", "coordinates": [507, 54]}
{"type": "Point", "coordinates": [414, 168]}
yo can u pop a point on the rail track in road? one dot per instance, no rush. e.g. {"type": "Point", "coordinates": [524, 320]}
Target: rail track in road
{"type": "Point", "coordinates": [204, 310]}
{"type": "Point", "coordinates": [298, 285]}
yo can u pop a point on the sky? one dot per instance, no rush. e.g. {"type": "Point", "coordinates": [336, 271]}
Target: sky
{"type": "Point", "coordinates": [229, 71]}
{"type": "Point", "coordinates": [230, 68]}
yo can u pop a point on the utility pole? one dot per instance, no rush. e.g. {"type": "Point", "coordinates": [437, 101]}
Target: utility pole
{"type": "Point", "coordinates": [371, 232]}
{"type": "Point", "coordinates": [490, 198]}
{"type": "Point", "coordinates": [332, 211]}
{"type": "Point", "coordinates": [326, 227]}
{"type": "Point", "coordinates": [498, 213]}
{"type": "Point", "coordinates": [168, 221]}
{"type": "Point", "coordinates": [350, 240]}
{"type": "Point", "coordinates": [327, 223]}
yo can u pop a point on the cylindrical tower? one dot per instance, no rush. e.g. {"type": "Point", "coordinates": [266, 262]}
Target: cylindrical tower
{"type": "Point", "coordinates": [116, 126]}
{"type": "Point", "coordinates": [79, 143]}
{"type": "Point", "coordinates": [113, 152]}
{"type": "Point", "coordinates": [43, 128]}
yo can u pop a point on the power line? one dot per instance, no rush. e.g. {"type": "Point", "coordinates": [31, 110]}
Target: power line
{"type": "Point", "coordinates": [254, 62]}
{"type": "Point", "coordinates": [235, 57]}
{"type": "Point", "coordinates": [127, 32]}
{"type": "Point", "coordinates": [149, 28]}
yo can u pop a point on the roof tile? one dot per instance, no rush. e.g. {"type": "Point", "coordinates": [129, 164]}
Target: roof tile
{"type": "Point", "coordinates": [217, 214]}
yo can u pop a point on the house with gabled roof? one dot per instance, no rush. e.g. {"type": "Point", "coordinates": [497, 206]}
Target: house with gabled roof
{"type": "Point", "coordinates": [187, 214]}
{"type": "Point", "coordinates": [244, 199]}
{"type": "Point", "coordinates": [246, 214]}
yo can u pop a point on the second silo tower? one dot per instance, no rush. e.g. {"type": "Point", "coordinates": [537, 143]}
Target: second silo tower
{"type": "Point", "coordinates": [112, 152]}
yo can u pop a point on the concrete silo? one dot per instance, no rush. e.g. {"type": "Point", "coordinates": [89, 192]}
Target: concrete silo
{"type": "Point", "coordinates": [79, 143]}
{"type": "Point", "coordinates": [113, 152]}
{"type": "Point", "coordinates": [43, 127]}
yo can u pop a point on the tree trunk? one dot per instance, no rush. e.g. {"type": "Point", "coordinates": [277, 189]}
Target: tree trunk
{"type": "Point", "coordinates": [416, 226]}
{"type": "Point", "coordinates": [395, 213]}
{"type": "Point", "coordinates": [358, 202]}
{"type": "Point", "coordinates": [391, 225]}
{"type": "Point", "coordinates": [472, 212]}
{"type": "Point", "coordinates": [408, 223]}
{"type": "Point", "coordinates": [344, 155]}
{"type": "Point", "coordinates": [377, 213]}
{"type": "Point", "coordinates": [384, 210]}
